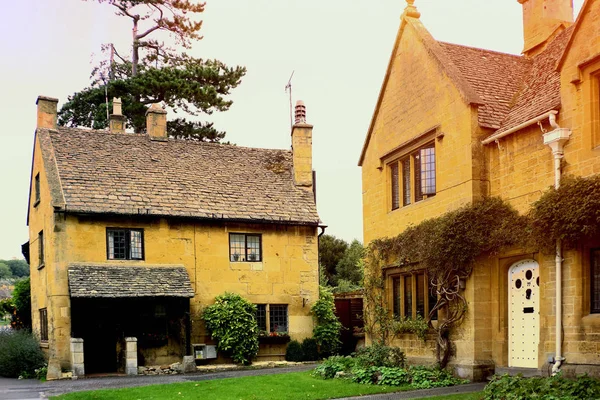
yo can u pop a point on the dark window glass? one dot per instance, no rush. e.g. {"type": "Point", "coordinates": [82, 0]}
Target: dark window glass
{"type": "Point", "coordinates": [261, 316]}
{"type": "Point", "coordinates": [395, 186]}
{"type": "Point", "coordinates": [425, 172]}
{"type": "Point", "coordinates": [421, 295]}
{"type": "Point", "coordinates": [43, 324]}
{"type": "Point", "coordinates": [595, 280]}
{"type": "Point", "coordinates": [396, 296]}
{"type": "Point", "coordinates": [125, 244]}
{"type": "Point", "coordinates": [244, 247]}
{"type": "Point", "coordinates": [408, 296]}
{"type": "Point", "coordinates": [432, 302]}
{"type": "Point", "coordinates": [41, 248]}
{"type": "Point", "coordinates": [37, 188]}
{"type": "Point", "coordinates": [278, 317]}
{"type": "Point", "coordinates": [406, 182]}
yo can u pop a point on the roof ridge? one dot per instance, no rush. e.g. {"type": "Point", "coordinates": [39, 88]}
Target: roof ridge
{"type": "Point", "coordinates": [519, 56]}
{"type": "Point", "coordinates": [178, 140]}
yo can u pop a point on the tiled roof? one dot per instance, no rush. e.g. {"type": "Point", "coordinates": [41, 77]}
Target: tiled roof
{"type": "Point", "coordinates": [540, 90]}
{"type": "Point", "coordinates": [495, 77]}
{"type": "Point", "coordinates": [101, 172]}
{"type": "Point", "coordinates": [89, 280]}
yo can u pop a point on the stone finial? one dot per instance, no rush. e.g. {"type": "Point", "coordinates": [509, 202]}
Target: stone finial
{"type": "Point", "coordinates": [117, 109]}
{"type": "Point", "coordinates": [300, 112]}
{"type": "Point", "coordinates": [411, 10]}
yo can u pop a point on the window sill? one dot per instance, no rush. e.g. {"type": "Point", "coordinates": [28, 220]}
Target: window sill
{"type": "Point", "coordinates": [274, 339]}
{"type": "Point", "coordinates": [416, 203]}
{"type": "Point", "coordinates": [591, 320]}
{"type": "Point", "coordinates": [44, 345]}
{"type": "Point", "coordinates": [246, 265]}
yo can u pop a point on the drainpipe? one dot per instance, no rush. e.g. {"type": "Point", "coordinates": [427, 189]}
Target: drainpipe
{"type": "Point", "coordinates": [556, 140]}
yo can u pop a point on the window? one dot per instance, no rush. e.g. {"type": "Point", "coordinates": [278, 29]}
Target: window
{"type": "Point", "coordinates": [424, 172]}
{"type": "Point", "coordinates": [409, 295]}
{"type": "Point", "coordinates": [37, 190]}
{"type": "Point", "coordinates": [275, 314]}
{"type": "Point", "coordinates": [124, 244]}
{"type": "Point", "coordinates": [41, 249]}
{"type": "Point", "coordinates": [422, 178]}
{"type": "Point", "coordinates": [43, 324]}
{"type": "Point", "coordinates": [395, 186]}
{"type": "Point", "coordinates": [595, 281]}
{"type": "Point", "coordinates": [245, 247]}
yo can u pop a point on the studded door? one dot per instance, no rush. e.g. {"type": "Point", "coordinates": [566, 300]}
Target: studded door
{"type": "Point", "coordinates": [523, 314]}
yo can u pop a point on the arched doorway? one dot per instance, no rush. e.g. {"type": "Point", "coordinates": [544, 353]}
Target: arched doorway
{"type": "Point", "coordinates": [523, 314]}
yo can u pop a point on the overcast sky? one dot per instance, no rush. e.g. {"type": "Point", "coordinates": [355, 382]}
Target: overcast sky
{"type": "Point", "coordinates": [339, 51]}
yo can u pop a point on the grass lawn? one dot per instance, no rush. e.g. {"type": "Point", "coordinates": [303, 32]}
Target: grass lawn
{"type": "Point", "coordinates": [296, 385]}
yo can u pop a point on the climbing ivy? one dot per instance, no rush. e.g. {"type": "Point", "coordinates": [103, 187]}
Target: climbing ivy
{"type": "Point", "coordinates": [570, 213]}
{"type": "Point", "coordinates": [446, 247]}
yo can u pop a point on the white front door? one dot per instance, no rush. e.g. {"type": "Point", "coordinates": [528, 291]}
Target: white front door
{"type": "Point", "coordinates": [523, 314]}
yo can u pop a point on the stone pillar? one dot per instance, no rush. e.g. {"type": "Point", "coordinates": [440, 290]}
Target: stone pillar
{"type": "Point", "coordinates": [131, 363]}
{"type": "Point", "coordinates": [77, 361]}
{"type": "Point", "coordinates": [189, 364]}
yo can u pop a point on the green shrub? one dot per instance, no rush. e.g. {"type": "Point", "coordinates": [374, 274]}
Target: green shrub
{"type": "Point", "coordinates": [327, 327]}
{"type": "Point", "coordinates": [393, 376]}
{"type": "Point", "coordinates": [294, 352]}
{"type": "Point", "coordinates": [365, 375]}
{"type": "Point", "coordinates": [379, 355]}
{"type": "Point", "coordinates": [516, 387]}
{"type": "Point", "coordinates": [310, 349]}
{"type": "Point", "coordinates": [20, 354]}
{"type": "Point", "coordinates": [426, 378]}
{"type": "Point", "coordinates": [232, 323]}
{"type": "Point", "coordinates": [334, 364]}
{"type": "Point", "coordinates": [22, 301]}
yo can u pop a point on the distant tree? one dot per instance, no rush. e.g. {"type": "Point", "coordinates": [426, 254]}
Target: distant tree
{"type": "Point", "coordinates": [331, 251]}
{"type": "Point", "coordinates": [5, 271]}
{"type": "Point", "coordinates": [156, 73]}
{"type": "Point", "coordinates": [22, 301]}
{"type": "Point", "coordinates": [350, 267]}
{"type": "Point", "coordinates": [19, 268]}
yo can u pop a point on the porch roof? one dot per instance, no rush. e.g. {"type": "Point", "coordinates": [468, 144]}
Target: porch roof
{"type": "Point", "coordinates": [115, 281]}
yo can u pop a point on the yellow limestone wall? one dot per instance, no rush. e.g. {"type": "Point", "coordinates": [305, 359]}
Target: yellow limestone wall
{"type": "Point", "coordinates": [288, 273]}
{"type": "Point", "coordinates": [519, 170]}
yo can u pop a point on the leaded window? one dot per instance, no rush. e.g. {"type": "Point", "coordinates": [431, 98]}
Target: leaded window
{"type": "Point", "coordinates": [124, 244]}
{"type": "Point", "coordinates": [261, 316]}
{"type": "Point", "coordinates": [43, 324]}
{"type": "Point", "coordinates": [245, 247]}
{"type": "Point", "coordinates": [278, 318]}
{"type": "Point", "coordinates": [406, 182]}
{"type": "Point", "coordinates": [595, 281]}
{"type": "Point", "coordinates": [424, 172]}
{"type": "Point", "coordinates": [395, 186]}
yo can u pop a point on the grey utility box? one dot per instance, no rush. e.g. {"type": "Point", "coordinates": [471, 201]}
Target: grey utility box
{"type": "Point", "coordinates": [204, 351]}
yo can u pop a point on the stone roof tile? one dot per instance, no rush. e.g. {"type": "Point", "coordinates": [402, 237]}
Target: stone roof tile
{"type": "Point", "coordinates": [103, 172]}
{"type": "Point", "coordinates": [116, 281]}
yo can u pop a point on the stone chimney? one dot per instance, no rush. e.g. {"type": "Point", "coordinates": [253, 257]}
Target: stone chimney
{"type": "Point", "coordinates": [302, 148]}
{"type": "Point", "coordinates": [46, 112]}
{"type": "Point", "coordinates": [117, 120]}
{"type": "Point", "coordinates": [541, 19]}
{"type": "Point", "coordinates": [156, 122]}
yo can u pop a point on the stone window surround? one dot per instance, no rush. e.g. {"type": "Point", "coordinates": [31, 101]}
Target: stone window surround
{"type": "Point", "coordinates": [128, 252]}
{"type": "Point", "coordinates": [254, 256]}
{"type": "Point", "coordinates": [268, 318]}
{"type": "Point", "coordinates": [402, 274]}
{"type": "Point", "coordinates": [588, 76]}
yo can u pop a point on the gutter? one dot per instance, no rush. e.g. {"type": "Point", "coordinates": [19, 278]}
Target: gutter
{"type": "Point", "coordinates": [498, 136]}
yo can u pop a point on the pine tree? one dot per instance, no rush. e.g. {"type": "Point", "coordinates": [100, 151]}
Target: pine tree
{"type": "Point", "coordinates": [156, 73]}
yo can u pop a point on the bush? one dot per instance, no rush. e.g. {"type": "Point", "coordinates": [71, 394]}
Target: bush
{"type": "Point", "coordinates": [310, 350]}
{"type": "Point", "coordinates": [327, 327]}
{"type": "Point", "coordinates": [379, 355]}
{"type": "Point", "coordinates": [516, 387]}
{"type": "Point", "coordinates": [20, 354]}
{"type": "Point", "coordinates": [331, 366]}
{"type": "Point", "coordinates": [293, 352]}
{"type": "Point", "coordinates": [425, 378]}
{"type": "Point", "coordinates": [232, 323]}
{"type": "Point", "coordinates": [22, 301]}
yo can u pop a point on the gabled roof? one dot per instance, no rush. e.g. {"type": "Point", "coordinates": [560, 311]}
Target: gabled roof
{"type": "Point", "coordinates": [495, 77]}
{"type": "Point", "coordinates": [540, 89]}
{"type": "Point", "coordinates": [485, 78]}
{"type": "Point", "coordinates": [94, 171]}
